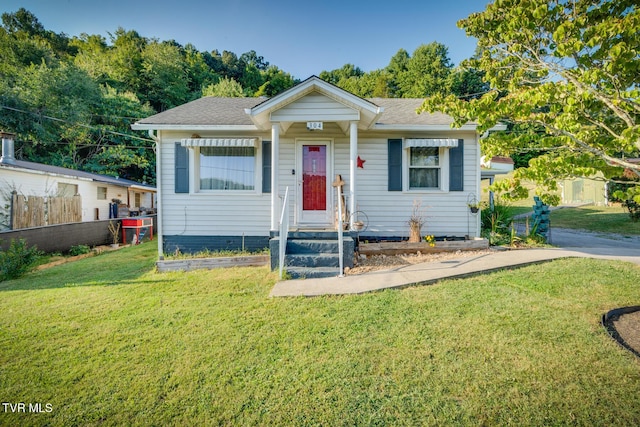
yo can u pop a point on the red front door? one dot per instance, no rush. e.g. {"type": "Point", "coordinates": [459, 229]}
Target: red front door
{"type": "Point", "coordinates": [314, 177]}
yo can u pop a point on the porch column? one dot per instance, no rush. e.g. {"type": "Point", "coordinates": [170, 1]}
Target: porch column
{"type": "Point", "coordinates": [275, 149]}
{"type": "Point", "coordinates": [353, 154]}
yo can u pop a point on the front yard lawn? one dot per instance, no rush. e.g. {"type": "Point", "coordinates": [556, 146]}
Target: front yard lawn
{"type": "Point", "coordinates": [108, 341]}
{"type": "Point", "coordinates": [601, 219]}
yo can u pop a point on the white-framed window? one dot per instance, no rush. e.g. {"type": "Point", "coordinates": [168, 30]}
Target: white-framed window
{"type": "Point", "coordinates": [425, 168]}
{"type": "Point", "coordinates": [102, 193]}
{"type": "Point", "coordinates": [67, 190]}
{"type": "Point", "coordinates": [227, 168]}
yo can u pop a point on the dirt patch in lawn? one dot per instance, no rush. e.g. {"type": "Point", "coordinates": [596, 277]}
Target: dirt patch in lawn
{"type": "Point", "coordinates": [626, 329]}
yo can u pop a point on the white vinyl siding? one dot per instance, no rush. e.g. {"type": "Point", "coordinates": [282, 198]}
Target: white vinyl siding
{"type": "Point", "coordinates": [249, 212]}
{"type": "Point", "coordinates": [315, 108]}
{"type": "Point", "coordinates": [446, 212]}
{"type": "Point", "coordinates": [214, 213]}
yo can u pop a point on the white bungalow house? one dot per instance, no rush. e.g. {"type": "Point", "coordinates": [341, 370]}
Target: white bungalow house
{"type": "Point", "coordinates": [225, 164]}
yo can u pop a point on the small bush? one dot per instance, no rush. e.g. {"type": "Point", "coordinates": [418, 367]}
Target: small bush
{"type": "Point", "coordinates": [626, 191]}
{"type": "Point", "coordinates": [79, 250]}
{"type": "Point", "coordinates": [498, 220]}
{"type": "Point", "coordinates": [18, 260]}
{"type": "Point", "coordinates": [634, 209]}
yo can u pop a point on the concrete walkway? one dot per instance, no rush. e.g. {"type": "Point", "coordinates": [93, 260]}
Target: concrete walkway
{"type": "Point", "coordinates": [430, 272]}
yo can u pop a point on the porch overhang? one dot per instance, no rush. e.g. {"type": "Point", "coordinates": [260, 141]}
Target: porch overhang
{"type": "Point", "coordinates": [341, 107]}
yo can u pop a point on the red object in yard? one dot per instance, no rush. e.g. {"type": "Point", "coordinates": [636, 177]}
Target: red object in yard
{"type": "Point", "coordinates": [137, 223]}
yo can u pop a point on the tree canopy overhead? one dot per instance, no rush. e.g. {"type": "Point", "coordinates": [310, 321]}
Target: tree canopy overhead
{"type": "Point", "coordinates": [564, 74]}
{"type": "Point", "coordinates": [71, 100]}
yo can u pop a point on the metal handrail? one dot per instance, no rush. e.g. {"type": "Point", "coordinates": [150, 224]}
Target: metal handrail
{"type": "Point", "coordinates": [340, 229]}
{"type": "Point", "coordinates": [284, 232]}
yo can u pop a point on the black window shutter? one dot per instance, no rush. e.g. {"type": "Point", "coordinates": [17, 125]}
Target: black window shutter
{"type": "Point", "coordinates": [395, 165]}
{"type": "Point", "coordinates": [266, 166]}
{"type": "Point", "coordinates": [182, 169]}
{"type": "Point", "coordinates": [456, 167]}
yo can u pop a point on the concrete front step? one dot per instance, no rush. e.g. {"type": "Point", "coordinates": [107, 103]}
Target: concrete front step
{"type": "Point", "coordinates": [314, 253]}
{"type": "Point", "coordinates": [312, 260]}
{"type": "Point", "coordinates": [314, 246]}
{"type": "Point", "coordinates": [312, 273]}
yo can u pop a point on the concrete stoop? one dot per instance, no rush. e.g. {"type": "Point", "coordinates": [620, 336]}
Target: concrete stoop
{"type": "Point", "coordinates": [313, 254]}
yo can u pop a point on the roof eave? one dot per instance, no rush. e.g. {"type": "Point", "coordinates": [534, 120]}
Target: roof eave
{"type": "Point", "coordinates": [425, 127]}
{"type": "Point", "coordinates": [151, 126]}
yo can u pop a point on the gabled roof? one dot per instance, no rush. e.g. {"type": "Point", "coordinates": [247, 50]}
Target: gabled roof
{"type": "Point", "coordinates": [72, 173]}
{"type": "Point", "coordinates": [367, 111]}
{"type": "Point", "coordinates": [215, 113]}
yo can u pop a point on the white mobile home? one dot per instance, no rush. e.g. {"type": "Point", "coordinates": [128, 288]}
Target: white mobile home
{"type": "Point", "coordinates": [96, 191]}
{"type": "Point", "coordinates": [225, 164]}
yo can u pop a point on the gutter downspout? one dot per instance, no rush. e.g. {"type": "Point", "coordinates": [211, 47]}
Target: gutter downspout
{"type": "Point", "coordinates": [160, 235]}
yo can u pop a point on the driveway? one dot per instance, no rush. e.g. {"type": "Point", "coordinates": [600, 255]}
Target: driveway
{"type": "Point", "coordinates": [595, 243]}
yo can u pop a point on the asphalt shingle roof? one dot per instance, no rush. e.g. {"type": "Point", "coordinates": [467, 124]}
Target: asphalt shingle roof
{"type": "Point", "coordinates": [230, 111]}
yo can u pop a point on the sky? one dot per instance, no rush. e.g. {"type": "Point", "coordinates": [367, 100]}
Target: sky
{"type": "Point", "coordinates": [302, 38]}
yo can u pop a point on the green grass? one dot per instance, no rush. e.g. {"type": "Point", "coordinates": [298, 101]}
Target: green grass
{"type": "Point", "coordinates": [601, 219]}
{"type": "Point", "coordinates": [108, 341]}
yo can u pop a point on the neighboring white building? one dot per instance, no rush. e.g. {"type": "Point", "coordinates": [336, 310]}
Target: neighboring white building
{"type": "Point", "coordinates": [224, 164]}
{"type": "Point", "coordinates": [498, 163]}
{"type": "Point", "coordinates": [96, 191]}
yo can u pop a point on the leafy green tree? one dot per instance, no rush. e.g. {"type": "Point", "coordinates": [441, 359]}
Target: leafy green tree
{"type": "Point", "coordinates": [231, 65]}
{"type": "Point", "coordinates": [164, 79]}
{"type": "Point", "coordinates": [251, 80]}
{"type": "Point", "coordinates": [126, 60]}
{"type": "Point", "coordinates": [59, 100]}
{"type": "Point", "coordinates": [253, 59]}
{"type": "Point", "coordinates": [567, 73]}
{"type": "Point", "coordinates": [19, 49]}
{"type": "Point", "coordinates": [94, 57]}
{"type": "Point", "coordinates": [224, 88]}
{"type": "Point", "coordinates": [275, 81]}
{"type": "Point", "coordinates": [114, 152]}
{"type": "Point", "coordinates": [397, 66]}
{"type": "Point", "coordinates": [427, 72]}
{"type": "Point", "coordinates": [24, 25]}
{"type": "Point", "coordinates": [199, 73]}
{"type": "Point", "coordinates": [467, 83]}
{"type": "Point", "coordinates": [346, 72]}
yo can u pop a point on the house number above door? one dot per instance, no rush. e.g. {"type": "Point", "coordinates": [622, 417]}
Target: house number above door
{"type": "Point", "coordinates": [314, 125]}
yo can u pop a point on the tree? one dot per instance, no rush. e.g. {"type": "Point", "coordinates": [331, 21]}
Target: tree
{"type": "Point", "coordinates": [275, 81]}
{"type": "Point", "coordinates": [336, 76]}
{"type": "Point", "coordinates": [224, 88]}
{"type": "Point", "coordinates": [93, 57]}
{"type": "Point", "coordinates": [126, 60]}
{"type": "Point", "coordinates": [467, 83]}
{"type": "Point", "coordinates": [566, 75]}
{"type": "Point", "coordinates": [397, 66]}
{"type": "Point", "coordinates": [252, 58]}
{"type": "Point", "coordinates": [426, 73]}
{"type": "Point", "coordinates": [199, 73]}
{"type": "Point", "coordinates": [164, 79]}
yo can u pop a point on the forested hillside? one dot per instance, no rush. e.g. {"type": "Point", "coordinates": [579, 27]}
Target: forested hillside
{"type": "Point", "coordinates": [71, 100]}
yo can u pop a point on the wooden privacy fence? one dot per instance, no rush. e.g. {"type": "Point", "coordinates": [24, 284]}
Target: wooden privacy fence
{"type": "Point", "coordinates": [35, 211]}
